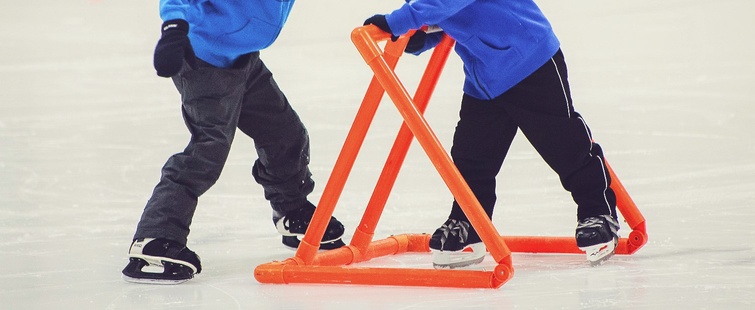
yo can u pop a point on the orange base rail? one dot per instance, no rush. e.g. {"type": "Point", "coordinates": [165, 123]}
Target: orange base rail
{"type": "Point", "coordinates": [312, 266]}
{"type": "Point", "coordinates": [329, 267]}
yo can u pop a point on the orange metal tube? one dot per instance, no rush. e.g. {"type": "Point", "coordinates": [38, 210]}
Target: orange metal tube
{"type": "Point", "coordinates": [311, 266]}
{"type": "Point", "coordinates": [375, 206]}
{"type": "Point", "coordinates": [283, 273]}
{"type": "Point", "coordinates": [390, 246]}
{"type": "Point", "coordinates": [624, 202]}
{"type": "Point", "coordinates": [327, 269]}
{"type": "Point", "coordinates": [545, 244]}
{"type": "Point", "coordinates": [334, 188]}
{"type": "Point", "coordinates": [628, 209]}
{"type": "Point", "coordinates": [429, 142]}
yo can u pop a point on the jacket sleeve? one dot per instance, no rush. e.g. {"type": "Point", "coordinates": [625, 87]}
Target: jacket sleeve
{"type": "Point", "coordinates": [416, 13]}
{"type": "Point", "coordinates": [173, 9]}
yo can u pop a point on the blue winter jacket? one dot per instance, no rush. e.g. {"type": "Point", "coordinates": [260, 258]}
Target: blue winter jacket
{"type": "Point", "coordinates": [501, 42]}
{"type": "Point", "coordinates": [222, 30]}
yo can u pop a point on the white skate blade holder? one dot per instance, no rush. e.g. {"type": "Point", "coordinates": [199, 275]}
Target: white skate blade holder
{"type": "Point", "coordinates": [151, 269]}
{"type": "Point", "coordinates": [471, 254]}
{"type": "Point", "coordinates": [599, 253]}
{"type": "Point", "coordinates": [155, 261]}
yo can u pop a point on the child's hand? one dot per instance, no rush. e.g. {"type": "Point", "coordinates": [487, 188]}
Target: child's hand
{"type": "Point", "coordinates": [416, 42]}
{"type": "Point", "coordinates": [379, 21]}
{"type": "Point", "coordinates": [172, 48]}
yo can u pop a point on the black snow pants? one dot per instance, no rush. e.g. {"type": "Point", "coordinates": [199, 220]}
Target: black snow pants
{"type": "Point", "coordinates": [541, 107]}
{"type": "Point", "coordinates": [216, 101]}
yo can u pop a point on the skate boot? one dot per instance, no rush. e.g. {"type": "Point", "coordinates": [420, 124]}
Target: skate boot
{"type": "Point", "coordinates": [456, 245]}
{"type": "Point", "coordinates": [597, 237]}
{"type": "Point", "coordinates": [293, 224]}
{"type": "Point", "coordinates": [179, 264]}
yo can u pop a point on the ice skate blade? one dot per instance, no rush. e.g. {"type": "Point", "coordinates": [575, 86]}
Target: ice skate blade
{"type": "Point", "coordinates": [601, 260]}
{"type": "Point", "coordinates": [293, 243]}
{"type": "Point", "coordinates": [153, 281]}
{"type": "Point", "coordinates": [458, 265]}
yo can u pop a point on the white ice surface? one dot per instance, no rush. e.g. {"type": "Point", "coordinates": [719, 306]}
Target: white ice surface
{"type": "Point", "coordinates": [85, 125]}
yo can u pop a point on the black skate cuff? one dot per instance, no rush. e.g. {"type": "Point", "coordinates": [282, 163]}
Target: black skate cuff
{"type": "Point", "coordinates": [284, 207]}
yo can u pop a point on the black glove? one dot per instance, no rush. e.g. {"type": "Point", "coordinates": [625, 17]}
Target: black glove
{"type": "Point", "coordinates": [379, 21]}
{"type": "Point", "coordinates": [416, 42]}
{"type": "Point", "coordinates": [172, 48]}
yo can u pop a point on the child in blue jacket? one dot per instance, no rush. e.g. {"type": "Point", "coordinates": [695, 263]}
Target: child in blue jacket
{"type": "Point", "coordinates": [516, 79]}
{"type": "Point", "coordinates": [210, 49]}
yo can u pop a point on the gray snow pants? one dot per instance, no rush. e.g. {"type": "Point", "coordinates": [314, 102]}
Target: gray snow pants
{"type": "Point", "coordinates": [215, 102]}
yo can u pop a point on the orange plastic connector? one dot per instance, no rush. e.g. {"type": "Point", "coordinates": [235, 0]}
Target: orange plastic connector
{"type": "Point", "coordinates": [311, 266]}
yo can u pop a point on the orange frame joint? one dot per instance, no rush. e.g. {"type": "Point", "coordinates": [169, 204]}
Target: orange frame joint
{"type": "Point", "coordinates": [309, 265]}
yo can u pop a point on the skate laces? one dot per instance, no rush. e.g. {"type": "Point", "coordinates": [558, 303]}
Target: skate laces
{"type": "Point", "coordinates": [599, 221]}
{"type": "Point", "coordinates": [452, 234]}
{"type": "Point", "coordinates": [455, 244]}
{"type": "Point", "coordinates": [597, 229]}
{"type": "Point", "coordinates": [297, 221]}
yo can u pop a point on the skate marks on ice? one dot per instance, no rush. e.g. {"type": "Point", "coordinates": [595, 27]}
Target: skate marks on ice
{"type": "Point", "coordinates": [85, 126]}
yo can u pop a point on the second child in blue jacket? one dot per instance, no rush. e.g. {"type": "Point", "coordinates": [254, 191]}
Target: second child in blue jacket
{"type": "Point", "coordinates": [516, 79]}
{"type": "Point", "coordinates": [211, 50]}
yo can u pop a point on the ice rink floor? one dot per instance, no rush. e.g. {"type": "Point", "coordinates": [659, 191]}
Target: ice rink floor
{"type": "Point", "coordinates": [85, 125]}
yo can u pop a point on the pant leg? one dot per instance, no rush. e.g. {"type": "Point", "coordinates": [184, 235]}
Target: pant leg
{"type": "Point", "coordinates": [211, 102]}
{"type": "Point", "coordinates": [542, 107]}
{"type": "Point", "coordinates": [280, 138]}
{"type": "Point", "coordinates": [481, 140]}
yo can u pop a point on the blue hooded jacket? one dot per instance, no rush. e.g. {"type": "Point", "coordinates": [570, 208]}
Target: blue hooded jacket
{"type": "Point", "coordinates": [501, 42]}
{"type": "Point", "coordinates": [222, 30]}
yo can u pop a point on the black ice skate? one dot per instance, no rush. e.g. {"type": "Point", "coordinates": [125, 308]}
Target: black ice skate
{"type": "Point", "coordinates": [452, 246]}
{"type": "Point", "coordinates": [598, 237]}
{"type": "Point", "coordinates": [179, 264]}
{"type": "Point", "coordinates": [293, 224]}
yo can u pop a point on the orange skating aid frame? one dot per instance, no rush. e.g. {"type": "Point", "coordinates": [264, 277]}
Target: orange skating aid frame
{"type": "Point", "coordinates": [312, 266]}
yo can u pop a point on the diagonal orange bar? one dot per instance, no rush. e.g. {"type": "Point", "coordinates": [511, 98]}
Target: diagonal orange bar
{"type": "Point", "coordinates": [430, 143]}
{"type": "Point", "coordinates": [345, 162]}
{"type": "Point", "coordinates": [366, 229]}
